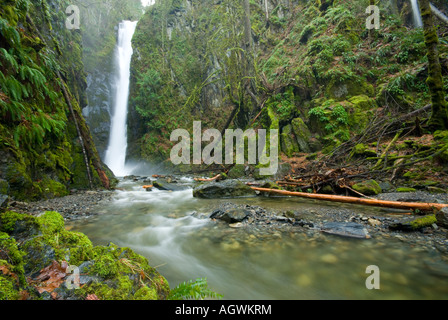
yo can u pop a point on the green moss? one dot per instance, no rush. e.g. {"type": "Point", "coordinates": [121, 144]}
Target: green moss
{"type": "Point", "coordinates": [238, 171]}
{"type": "Point", "coordinates": [288, 142]}
{"type": "Point", "coordinates": [14, 262]}
{"type": "Point", "coordinates": [8, 220]}
{"type": "Point", "coordinates": [363, 150]}
{"type": "Point", "coordinates": [414, 175]}
{"type": "Point", "coordinates": [145, 293]}
{"type": "Point", "coordinates": [105, 266]}
{"type": "Point", "coordinates": [302, 134]}
{"type": "Point", "coordinates": [118, 289]}
{"type": "Point", "coordinates": [406, 189]}
{"type": "Point", "coordinates": [51, 222]}
{"type": "Point", "coordinates": [422, 222]}
{"type": "Point", "coordinates": [362, 112]}
{"type": "Point", "coordinates": [8, 288]}
{"type": "Point", "coordinates": [4, 187]}
{"type": "Point", "coordinates": [368, 188]}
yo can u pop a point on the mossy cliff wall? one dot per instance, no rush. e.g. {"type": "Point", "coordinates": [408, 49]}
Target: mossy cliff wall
{"type": "Point", "coordinates": [313, 70]}
{"type": "Point", "coordinates": [42, 93]}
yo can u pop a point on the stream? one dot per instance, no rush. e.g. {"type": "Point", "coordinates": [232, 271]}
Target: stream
{"type": "Point", "coordinates": [173, 231]}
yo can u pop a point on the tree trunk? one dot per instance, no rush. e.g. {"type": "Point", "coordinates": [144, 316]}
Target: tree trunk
{"type": "Point", "coordinates": [247, 26]}
{"type": "Point", "coordinates": [439, 118]}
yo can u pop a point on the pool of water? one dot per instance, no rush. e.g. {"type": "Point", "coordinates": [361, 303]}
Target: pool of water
{"type": "Point", "coordinates": [167, 228]}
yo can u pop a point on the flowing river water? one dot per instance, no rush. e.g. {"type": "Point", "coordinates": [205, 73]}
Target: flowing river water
{"type": "Point", "coordinates": [173, 231]}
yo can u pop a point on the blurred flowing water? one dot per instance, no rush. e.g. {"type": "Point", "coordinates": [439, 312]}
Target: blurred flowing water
{"type": "Point", "coordinates": [115, 156]}
{"type": "Point", "coordinates": [172, 231]}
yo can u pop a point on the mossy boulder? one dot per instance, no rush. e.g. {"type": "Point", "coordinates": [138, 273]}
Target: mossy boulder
{"type": "Point", "coordinates": [223, 189]}
{"type": "Point", "coordinates": [415, 224]}
{"type": "Point", "coordinates": [108, 272]}
{"type": "Point", "coordinates": [368, 188]}
{"type": "Point", "coordinates": [361, 112]}
{"type": "Point", "coordinates": [238, 171]}
{"type": "Point", "coordinates": [302, 134]}
{"type": "Point", "coordinates": [344, 89]}
{"type": "Point", "coordinates": [288, 141]}
{"type": "Point", "coordinates": [362, 150]}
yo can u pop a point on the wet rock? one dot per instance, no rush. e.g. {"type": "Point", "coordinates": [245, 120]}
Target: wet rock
{"type": "Point", "coordinates": [374, 222]}
{"type": "Point", "coordinates": [442, 217]}
{"type": "Point", "coordinates": [168, 185]}
{"type": "Point", "coordinates": [3, 202]}
{"type": "Point", "coordinates": [414, 224]}
{"type": "Point", "coordinates": [223, 189]}
{"type": "Point", "coordinates": [346, 229]}
{"type": "Point", "coordinates": [231, 216]}
{"type": "Point", "coordinates": [368, 188]}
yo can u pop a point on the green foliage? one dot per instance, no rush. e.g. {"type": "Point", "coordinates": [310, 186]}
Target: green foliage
{"type": "Point", "coordinates": [331, 115]}
{"type": "Point", "coordinates": [196, 290]}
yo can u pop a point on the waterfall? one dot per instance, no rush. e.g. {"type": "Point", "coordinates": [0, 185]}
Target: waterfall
{"type": "Point", "coordinates": [416, 11]}
{"type": "Point", "coordinates": [116, 151]}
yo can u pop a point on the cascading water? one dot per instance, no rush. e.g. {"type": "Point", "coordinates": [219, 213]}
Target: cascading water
{"type": "Point", "coordinates": [416, 12]}
{"type": "Point", "coordinates": [116, 152]}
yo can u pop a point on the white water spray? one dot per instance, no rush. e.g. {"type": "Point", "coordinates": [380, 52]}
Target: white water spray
{"type": "Point", "coordinates": [416, 11]}
{"type": "Point", "coordinates": [116, 152]}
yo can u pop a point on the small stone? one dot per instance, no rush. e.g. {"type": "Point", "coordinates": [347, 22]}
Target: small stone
{"type": "Point", "coordinates": [329, 258]}
{"type": "Point", "coordinates": [374, 222]}
{"type": "Point", "coordinates": [236, 225]}
{"type": "Point", "coordinates": [303, 280]}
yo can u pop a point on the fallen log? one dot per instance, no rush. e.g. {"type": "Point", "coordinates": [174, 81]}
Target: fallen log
{"type": "Point", "coordinates": [208, 180]}
{"type": "Point", "coordinates": [353, 200]}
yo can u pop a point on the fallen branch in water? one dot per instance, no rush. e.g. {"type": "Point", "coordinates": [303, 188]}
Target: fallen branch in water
{"type": "Point", "coordinates": [208, 180]}
{"type": "Point", "coordinates": [368, 202]}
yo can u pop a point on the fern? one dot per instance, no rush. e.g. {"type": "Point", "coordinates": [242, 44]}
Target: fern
{"type": "Point", "coordinates": [193, 290]}
{"type": "Point", "coordinates": [13, 88]}
{"type": "Point", "coordinates": [10, 59]}
{"type": "Point", "coordinates": [33, 75]}
{"type": "Point", "coordinates": [9, 33]}
{"type": "Point", "coordinates": [13, 109]}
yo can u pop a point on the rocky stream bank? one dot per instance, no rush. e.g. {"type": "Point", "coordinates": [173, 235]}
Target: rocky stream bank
{"type": "Point", "coordinates": [36, 245]}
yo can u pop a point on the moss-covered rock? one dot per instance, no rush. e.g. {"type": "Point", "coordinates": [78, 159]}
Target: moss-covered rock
{"type": "Point", "coordinates": [302, 134]}
{"type": "Point", "coordinates": [415, 224]}
{"type": "Point", "coordinates": [406, 189]}
{"type": "Point", "coordinates": [363, 150]}
{"type": "Point", "coordinates": [368, 188]}
{"type": "Point", "coordinates": [344, 89]}
{"type": "Point", "coordinates": [223, 189]}
{"type": "Point", "coordinates": [288, 142]}
{"type": "Point", "coordinates": [237, 171]}
{"type": "Point", "coordinates": [362, 112]}
{"type": "Point", "coordinates": [118, 273]}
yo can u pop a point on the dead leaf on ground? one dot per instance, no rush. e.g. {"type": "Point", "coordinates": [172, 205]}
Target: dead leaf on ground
{"type": "Point", "coordinates": [51, 277]}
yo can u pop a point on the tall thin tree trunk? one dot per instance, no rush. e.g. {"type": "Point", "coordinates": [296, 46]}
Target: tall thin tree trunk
{"type": "Point", "coordinates": [439, 118]}
{"type": "Point", "coordinates": [247, 26]}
